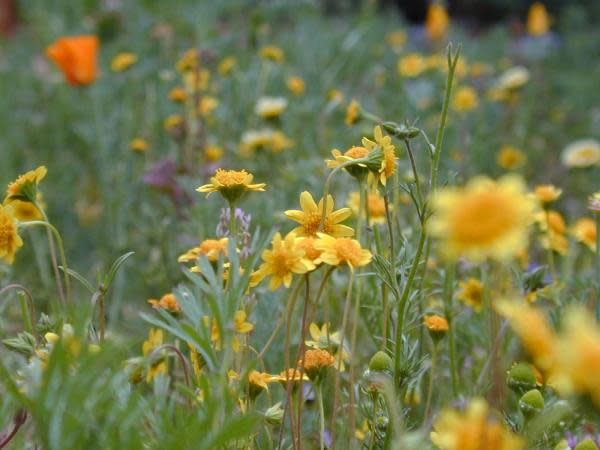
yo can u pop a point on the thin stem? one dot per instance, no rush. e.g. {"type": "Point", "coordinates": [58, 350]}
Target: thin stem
{"type": "Point", "coordinates": [448, 296]}
{"type": "Point", "coordinates": [415, 173]}
{"type": "Point", "coordinates": [300, 356]}
{"type": "Point", "coordinates": [31, 305]}
{"type": "Point", "coordinates": [431, 380]}
{"type": "Point", "coordinates": [232, 223]}
{"type": "Point", "coordinates": [182, 360]}
{"type": "Point", "coordinates": [18, 420]}
{"type": "Point", "coordinates": [550, 251]}
{"type": "Point", "coordinates": [321, 416]}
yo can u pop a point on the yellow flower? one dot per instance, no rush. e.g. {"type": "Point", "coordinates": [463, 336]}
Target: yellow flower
{"type": "Point", "coordinates": [358, 170]}
{"type": "Point", "coordinates": [396, 39]}
{"type": "Point", "coordinates": [258, 381]}
{"type": "Point", "coordinates": [207, 105]}
{"type": "Point", "coordinates": [436, 325]}
{"type": "Point", "coordinates": [321, 337]}
{"type": "Point", "coordinates": [316, 361]}
{"type": "Point", "coordinates": [177, 94]}
{"type": "Point", "coordinates": [388, 162]}
{"type": "Point", "coordinates": [189, 61]}
{"type": "Point", "coordinates": [312, 214]}
{"type": "Point", "coordinates": [159, 366]}
{"type": "Point", "coordinates": [272, 53]}
{"type": "Point", "coordinates": [532, 328]}
{"type": "Point", "coordinates": [123, 61]}
{"type": "Point", "coordinates": [173, 121]}
{"type": "Point", "coordinates": [352, 113]}
{"type": "Point", "coordinates": [239, 323]}
{"type": "Point", "coordinates": [411, 65]}
{"type": "Point", "coordinates": [582, 153]}
{"type": "Point", "coordinates": [337, 251]}
{"type": "Point", "coordinates": [284, 259]}
{"type": "Point", "coordinates": [475, 429]}
{"type": "Point", "coordinates": [213, 153]}
{"type": "Point", "coordinates": [226, 65]}
{"type": "Point", "coordinates": [471, 293]}
{"type": "Point", "coordinates": [547, 193]}
{"type": "Point", "coordinates": [465, 99]}
{"type": "Point", "coordinates": [538, 20]}
{"type": "Point", "coordinates": [26, 211]}
{"type": "Point", "coordinates": [197, 80]}
{"type": "Point", "coordinates": [138, 145]}
{"type": "Point", "coordinates": [554, 227]}
{"type": "Point", "coordinates": [10, 241]}
{"type": "Point", "coordinates": [196, 360]}
{"type": "Point", "coordinates": [231, 184]}
{"type": "Point", "coordinates": [270, 107]}
{"type": "Point", "coordinates": [436, 21]}
{"type": "Point", "coordinates": [167, 302]}
{"type": "Point", "coordinates": [510, 158]}
{"type": "Point", "coordinates": [295, 85]}
{"type": "Point", "coordinates": [375, 206]}
{"type": "Point", "coordinates": [212, 248]}
{"type": "Point", "coordinates": [484, 219]}
{"type": "Point", "coordinates": [585, 231]}
{"type": "Point", "coordinates": [25, 186]}
{"type": "Point", "coordinates": [308, 245]}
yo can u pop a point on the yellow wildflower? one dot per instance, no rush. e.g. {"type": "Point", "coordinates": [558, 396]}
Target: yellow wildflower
{"type": "Point", "coordinates": [189, 61]}
{"type": "Point", "coordinates": [25, 186]}
{"type": "Point", "coordinates": [375, 206]}
{"type": "Point", "coordinates": [123, 61]}
{"type": "Point", "coordinates": [396, 39]}
{"type": "Point", "coordinates": [411, 65]}
{"type": "Point", "coordinates": [213, 153]}
{"type": "Point", "coordinates": [173, 121]}
{"type": "Point", "coordinates": [212, 248]}
{"type": "Point", "coordinates": [25, 211]}
{"type": "Point", "coordinates": [471, 293]}
{"type": "Point", "coordinates": [138, 145]}
{"type": "Point", "coordinates": [352, 113]}
{"type": "Point", "coordinates": [538, 20]}
{"type": "Point", "coordinates": [483, 219]}
{"type": "Point", "coordinates": [231, 184]}
{"type": "Point", "coordinates": [295, 85]}
{"type": "Point", "coordinates": [155, 340]}
{"type": "Point", "coordinates": [337, 251]}
{"type": "Point", "coordinates": [10, 241]}
{"type": "Point", "coordinates": [316, 361]}
{"type": "Point", "coordinates": [465, 99]}
{"type": "Point", "coordinates": [312, 214]}
{"type": "Point", "coordinates": [272, 53]}
{"type": "Point", "coordinates": [585, 231]}
{"type": "Point", "coordinates": [510, 158]}
{"type": "Point", "coordinates": [239, 323]}
{"type": "Point", "coordinates": [226, 65]}
{"type": "Point", "coordinates": [167, 302]}
{"type": "Point", "coordinates": [436, 21]}
{"type": "Point", "coordinates": [207, 105]}
{"type": "Point", "coordinates": [388, 162]}
{"type": "Point", "coordinates": [547, 193]}
{"type": "Point", "coordinates": [178, 94]}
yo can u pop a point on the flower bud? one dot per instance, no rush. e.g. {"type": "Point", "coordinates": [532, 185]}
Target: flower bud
{"type": "Point", "coordinates": [531, 403]}
{"type": "Point", "coordinates": [381, 362]}
{"type": "Point", "coordinates": [521, 378]}
{"type": "Point", "coordinates": [274, 415]}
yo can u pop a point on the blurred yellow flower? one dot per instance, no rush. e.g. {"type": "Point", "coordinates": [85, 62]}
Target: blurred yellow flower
{"type": "Point", "coordinates": [270, 107]}
{"type": "Point", "coordinates": [343, 250]}
{"type": "Point", "coordinates": [585, 231]}
{"type": "Point", "coordinates": [436, 324]}
{"type": "Point", "coordinates": [510, 158]}
{"type": "Point", "coordinates": [475, 429]}
{"type": "Point", "coordinates": [352, 113]}
{"type": "Point", "coordinates": [138, 145]}
{"type": "Point", "coordinates": [582, 153]}
{"type": "Point", "coordinates": [411, 65]}
{"type": "Point", "coordinates": [158, 366]}
{"type": "Point", "coordinates": [273, 140]}
{"type": "Point", "coordinates": [547, 193]}
{"type": "Point", "coordinates": [436, 21]}
{"type": "Point", "coordinates": [207, 105]}
{"type": "Point", "coordinates": [311, 215]}
{"type": "Point", "coordinates": [396, 39]}
{"type": "Point", "coordinates": [212, 248]}
{"type": "Point", "coordinates": [173, 121]}
{"type": "Point", "coordinates": [189, 61]}
{"type": "Point", "coordinates": [240, 324]}
{"type": "Point", "coordinates": [231, 184]}
{"type": "Point", "coordinates": [470, 292]}
{"type": "Point", "coordinates": [295, 85]}
{"type": "Point", "coordinates": [375, 206]}
{"type": "Point", "coordinates": [226, 65]}
{"type": "Point", "coordinates": [10, 241]}
{"type": "Point", "coordinates": [308, 245]}
{"type": "Point", "coordinates": [123, 61]}
{"type": "Point", "coordinates": [538, 20]}
{"type": "Point", "coordinates": [465, 99]}
{"type": "Point", "coordinates": [272, 53]}
{"type": "Point", "coordinates": [594, 202]}
{"type": "Point", "coordinates": [484, 219]}
{"type": "Point", "coordinates": [284, 259]}
{"type": "Point", "coordinates": [167, 302]}
{"type": "Point", "coordinates": [213, 153]}
{"type": "Point", "coordinates": [177, 94]}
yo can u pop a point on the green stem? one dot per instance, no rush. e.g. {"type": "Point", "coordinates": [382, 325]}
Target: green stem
{"type": "Point", "coordinates": [321, 416]}
{"type": "Point", "coordinates": [431, 380]}
{"type": "Point", "coordinates": [448, 296]}
{"type": "Point", "coordinates": [415, 174]}
{"type": "Point", "coordinates": [232, 223]}
{"type": "Point", "coordinates": [26, 304]}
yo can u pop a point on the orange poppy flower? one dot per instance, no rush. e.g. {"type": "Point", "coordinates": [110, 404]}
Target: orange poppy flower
{"type": "Point", "coordinates": [75, 56]}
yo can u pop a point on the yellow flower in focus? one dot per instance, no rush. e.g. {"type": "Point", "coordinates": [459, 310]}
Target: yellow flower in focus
{"type": "Point", "coordinates": [123, 61]}
{"type": "Point", "coordinates": [585, 232]}
{"type": "Point", "coordinates": [533, 329]}
{"type": "Point", "coordinates": [338, 251]}
{"type": "Point", "coordinates": [212, 248]}
{"type": "Point", "coordinates": [295, 85]}
{"type": "Point", "coordinates": [547, 193]}
{"type": "Point", "coordinates": [475, 429]}
{"type": "Point", "coordinates": [25, 186]}
{"type": "Point", "coordinates": [10, 241]}
{"type": "Point", "coordinates": [138, 145]}
{"type": "Point", "coordinates": [231, 184]}
{"type": "Point", "coordinates": [465, 99]}
{"type": "Point", "coordinates": [178, 94]}
{"type": "Point", "coordinates": [207, 105]}
{"type": "Point", "coordinates": [258, 381]}
{"type": "Point", "coordinates": [272, 53]}
{"type": "Point", "coordinates": [538, 20]}
{"type": "Point", "coordinates": [27, 211]}
{"type": "Point", "coordinates": [471, 293]}
{"type": "Point", "coordinates": [388, 162]}
{"type": "Point", "coordinates": [311, 215]}
{"type": "Point", "coordinates": [484, 219]}
{"type": "Point", "coordinates": [375, 206]}
{"type": "Point", "coordinates": [411, 65]}
{"type": "Point", "coordinates": [155, 340]}
{"type": "Point", "coordinates": [270, 107]}
{"type": "Point", "coordinates": [167, 302]}
{"type": "Point", "coordinates": [436, 21]}
{"type": "Point", "coordinates": [436, 324]}
{"type": "Point", "coordinates": [510, 158]}
{"type": "Point", "coordinates": [226, 65]}
{"type": "Point", "coordinates": [581, 154]}
{"type": "Point", "coordinates": [316, 361]}
{"type": "Point", "coordinates": [284, 259]}
{"type": "Point", "coordinates": [352, 113]}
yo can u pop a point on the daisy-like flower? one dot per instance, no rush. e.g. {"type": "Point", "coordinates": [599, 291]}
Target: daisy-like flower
{"type": "Point", "coordinates": [311, 215]}
{"type": "Point", "coordinates": [123, 61]}
{"type": "Point", "coordinates": [338, 251]}
{"type": "Point", "coordinates": [510, 158]}
{"type": "Point", "coordinates": [388, 163]}
{"type": "Point", "coordinates": [258, 382]}
{"type": "Point", "coordinates": [167, 302]}
{"type": "Point", "coordinates": [411, 65]}
{"type": "Point", "coordinates": [25, 186]}
{"type": "Point", "coordinates": [585, 231]}
{"type": "Point", "coordinates": [231, 184]}
{"type": "Point", "coordinates": [308, 245]}
{"type": "Point", "coordinates": [465, 99]}
{"type": "Point", "coordinates": [10, 241]}
{"type": "Point", "coordinates": [554, 228]}
{"type": "Point", "coordinates": [375, 206]}
{"type": "Point", "coordinates": [323, 339]}
{"type": "Point", "coordinates": [316, 362]}
{"type": "Point", "coordinates": [484, 219]}
{"type": "Point", "coordinates": [212, 248]}
{"type": "Point", "coordinates": [474, 429]}
{"type": "Point", "coordinates": [509, 84]}
{"type": "Point", "coordinates": [359, 169]}
{"type": "Point", "coordinates": [582, 153]}
{"type": "Point", "coordinates": [471, 293]}
{"type": "Point", "coordinates": [158, 366]}
{"type": "Point", "coordinates": [284, 259]}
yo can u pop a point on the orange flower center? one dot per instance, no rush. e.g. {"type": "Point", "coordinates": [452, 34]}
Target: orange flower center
{"type": "Point", "coordinates": [231, 177]}
{"type": "Point", "coordinates": [357, 152]}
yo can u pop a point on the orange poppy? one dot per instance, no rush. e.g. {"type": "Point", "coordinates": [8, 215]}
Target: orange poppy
{"type": "Point", "coordinates": [75, 56]}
